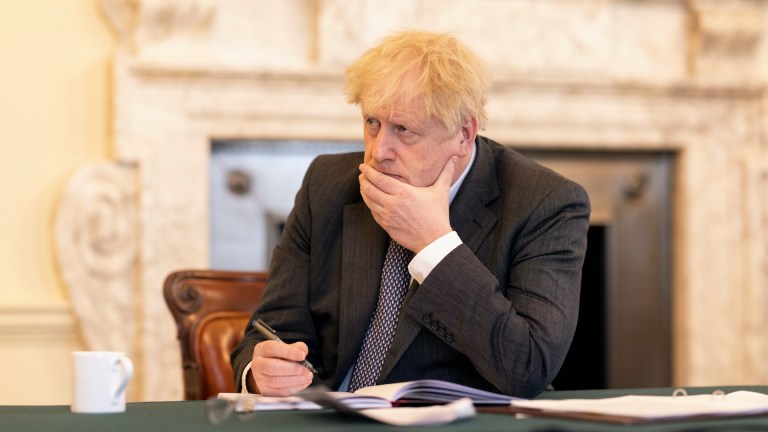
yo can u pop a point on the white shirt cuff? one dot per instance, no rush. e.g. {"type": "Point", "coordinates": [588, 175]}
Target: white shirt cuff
{"type": "Point", "coordinates": [425, 261]}
{"type": "Point", "coordinates": [244, 378]}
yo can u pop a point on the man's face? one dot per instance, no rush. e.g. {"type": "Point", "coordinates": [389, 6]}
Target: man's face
{"type": "Point", "coordinates": [410, 148]}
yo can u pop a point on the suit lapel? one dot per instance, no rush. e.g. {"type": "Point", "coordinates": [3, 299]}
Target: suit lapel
{"type": "Point", "coordinates": [472, 220]}
{"type": "Point", "coordinates": [470, 216]}
{"type": "Point", "coordinates": [364, 245]}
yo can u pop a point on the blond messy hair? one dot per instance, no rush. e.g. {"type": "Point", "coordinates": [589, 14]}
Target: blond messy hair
{"type": "Point", "coordinates": [432, 72]}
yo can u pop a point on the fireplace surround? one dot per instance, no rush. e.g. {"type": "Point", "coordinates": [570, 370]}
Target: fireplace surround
{"type": "Point", "coordinates": [683, 77]}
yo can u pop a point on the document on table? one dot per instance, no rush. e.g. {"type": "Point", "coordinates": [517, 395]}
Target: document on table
{"type": "Point", "coordinates": [644, 409]}
{"type": "Point", "coordinates": [257, 402]}
{"type": "Point", "coordinates": [419, 392]}
{"type": "Point", "coordinates": [371, 407]}
{"type": "Point", "coordinates": [430, 415]}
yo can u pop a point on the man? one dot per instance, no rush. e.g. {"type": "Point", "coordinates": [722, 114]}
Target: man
{"type": "Point", "coordinates": [498, 242]}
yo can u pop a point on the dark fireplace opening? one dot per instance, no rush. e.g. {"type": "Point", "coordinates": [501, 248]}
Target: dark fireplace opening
{"type": "Point", "coordinates": [623, 338]}
{"type": "Point", "coordinates": [585, 364]}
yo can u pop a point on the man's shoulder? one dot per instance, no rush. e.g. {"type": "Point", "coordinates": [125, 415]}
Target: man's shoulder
{"type": "Point", "coordinates": [334, 176]}
{"type": "Point", "coordinates": [355, 158]}
{"type": "Point", "coordinates": [337, 164]}
{"type": "Point", "coordinates": [509, 160]}
{"type": "Point", "coordinates": [515, 170]}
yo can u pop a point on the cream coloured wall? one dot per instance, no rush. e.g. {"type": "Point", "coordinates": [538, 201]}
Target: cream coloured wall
{"type": "Point", "coordinates": [54, 118]}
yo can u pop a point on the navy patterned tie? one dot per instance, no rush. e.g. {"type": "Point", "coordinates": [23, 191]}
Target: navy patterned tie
{"type": "Point", "coordinates": [394, 284]}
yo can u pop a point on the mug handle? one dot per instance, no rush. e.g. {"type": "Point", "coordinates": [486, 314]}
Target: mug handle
{"type": "Point", "coordinates": [128, 368]}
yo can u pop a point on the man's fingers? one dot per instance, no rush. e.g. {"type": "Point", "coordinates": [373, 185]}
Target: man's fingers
{"type": "Point", "coordinates": [273, 358]}
{"type": "Point", "coordinates": [446, 175]}
{"type": "Point", "coordinates": [276, 368]}
{"type": "Point", "coordinates": [379, 180]}
{"type": "Point", "coordinates": [374, 197]}
{"type": "Point", "coordinates": [292, 352]}
{"type": "Point", "coordinates": [276, 377]}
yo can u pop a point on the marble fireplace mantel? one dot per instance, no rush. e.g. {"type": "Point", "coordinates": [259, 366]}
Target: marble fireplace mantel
{"type": "Point", "coordinates": [187, 73]}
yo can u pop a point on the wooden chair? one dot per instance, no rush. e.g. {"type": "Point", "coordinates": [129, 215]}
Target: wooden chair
{"type": "Point", "coordinates": [211, 310]}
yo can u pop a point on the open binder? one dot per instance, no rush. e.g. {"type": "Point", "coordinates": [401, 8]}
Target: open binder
{"type": "Point", "coordinates": [635, 409]}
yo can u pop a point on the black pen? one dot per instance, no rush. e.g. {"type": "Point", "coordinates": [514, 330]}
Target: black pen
{"type": "Point", "coordinates": [270, 333]}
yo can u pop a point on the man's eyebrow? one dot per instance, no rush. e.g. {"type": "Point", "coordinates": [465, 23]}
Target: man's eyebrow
{"type": "Point", "coordinates": [400, 118]}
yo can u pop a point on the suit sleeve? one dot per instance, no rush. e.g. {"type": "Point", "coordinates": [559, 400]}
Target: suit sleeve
{"type": "Point", "coordinates": [284, 304]}
{"type": "Point", "coordinates": [516, 335]}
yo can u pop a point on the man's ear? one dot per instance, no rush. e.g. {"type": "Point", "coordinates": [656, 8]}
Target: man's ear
{"type": "Point", "coordinates": [468, 134]}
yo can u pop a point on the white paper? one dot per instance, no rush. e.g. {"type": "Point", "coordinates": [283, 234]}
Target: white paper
{"type": "Point", "coordinates": [423, 416]}
{"type": "Point", "coordinates": [658, 407]}
{"type": "Point", "coordinates": [384, 413]}
{"type": "Point", "coordinates": [257, 402]}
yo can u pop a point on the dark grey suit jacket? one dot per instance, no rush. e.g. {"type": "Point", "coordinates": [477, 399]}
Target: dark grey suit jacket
{"type": "Point", "coordinates": [498, 313]}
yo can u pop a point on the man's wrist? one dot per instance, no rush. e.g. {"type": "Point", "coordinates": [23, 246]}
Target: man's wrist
{"type": "Point", "coordinates": [425, 261]}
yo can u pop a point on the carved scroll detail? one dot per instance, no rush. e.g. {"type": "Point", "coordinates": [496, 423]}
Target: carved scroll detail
{"type": "Point", "coordinates": [190, 299]}
{"type": "Point", "coordinates": [96, 241]}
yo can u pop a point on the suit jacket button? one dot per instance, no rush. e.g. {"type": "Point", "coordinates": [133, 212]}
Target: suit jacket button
{"type": "Point", "coordinates": [449, 338]}
{"type": "Point", "coordinates": [441, 332]}
{"type": "Point", "coordinates": [426, 319]}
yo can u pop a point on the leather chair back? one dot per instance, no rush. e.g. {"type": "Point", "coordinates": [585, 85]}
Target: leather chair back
{"type": "Point", "coordinates": [211, 309]}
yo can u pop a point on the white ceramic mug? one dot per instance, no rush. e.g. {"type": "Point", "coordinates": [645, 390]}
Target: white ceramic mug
{"type": "Point", "coordinates": [100, 379]}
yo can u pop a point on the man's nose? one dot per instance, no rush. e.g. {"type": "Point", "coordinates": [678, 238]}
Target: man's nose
{"type": "Point", "coordinates": [383, 145]}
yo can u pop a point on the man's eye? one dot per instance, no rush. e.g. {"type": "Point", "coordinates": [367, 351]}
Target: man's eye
{"type": "Point", "coordinates": [403, 130]}
{"type": "Point", "coordinates": [370, 121]}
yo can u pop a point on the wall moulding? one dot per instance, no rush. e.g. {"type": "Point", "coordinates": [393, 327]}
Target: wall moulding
{"type": "Point", "coordinates": [638, 96]}
{"type": "Point", "coordinates": [39, 337]}
{"type": "Point", "coordinates": [22, 323]}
